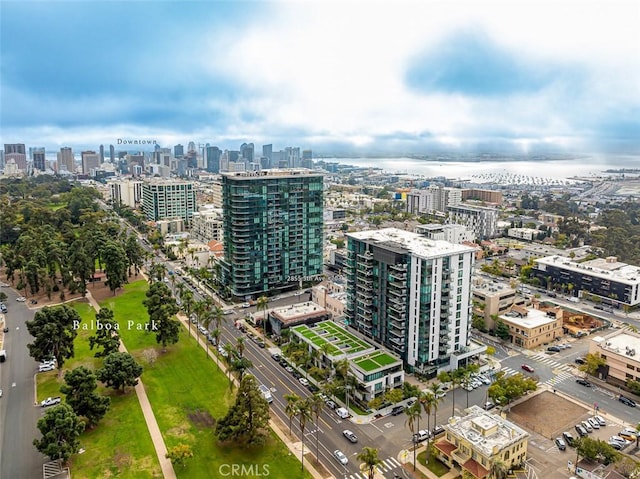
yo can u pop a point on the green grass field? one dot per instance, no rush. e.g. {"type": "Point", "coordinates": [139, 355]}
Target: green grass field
{"type": "Point", "coordinates": [120, 445]}
{"type": "Point", "coordinates": [187, 392]}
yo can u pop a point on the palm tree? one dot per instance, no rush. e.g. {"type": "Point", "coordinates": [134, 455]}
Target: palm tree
{"type": "Point", "coordinates": [638, 435]}
{"type": "Point", "coordinates": [369, 455]}
{"type": "Point", "coordinates": [262, 305]}
{"type": "Point", "coordinates": [218, 316]}
{"type": "Point", "coordinates": [498, 469]}
{"type": "Point", "coordinates": [317, 405]}
{"type": "Point", "coordinates": [428, 401]}
{"type": "Point", "coordinates": [240, 345]}
{"type": "Point", "coordinates": [187, 305]}
{"type": "Point", "coordinates": [413, 423]}
{"type": "Point", "coordinates": [228, 348]}
{"type": "Point", "coordinates": [304, 414]}
{"type": "Point", "coordinates": [436, 389]}
{"type": "Point", "coordinates": [216, 333]}
{"type": "Point", "coordinates": [206, 321]}
{"type": "Point", "coordinates": [291, 408]}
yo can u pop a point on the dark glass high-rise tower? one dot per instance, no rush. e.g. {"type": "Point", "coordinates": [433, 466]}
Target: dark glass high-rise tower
{"type": "Point", "coordinates": [273, 230]}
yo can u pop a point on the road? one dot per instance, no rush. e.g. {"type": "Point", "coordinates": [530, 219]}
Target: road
{"type": "Point", "coordinates": [18, 415]}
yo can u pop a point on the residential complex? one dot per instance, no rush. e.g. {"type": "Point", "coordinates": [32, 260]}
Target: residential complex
{"type": "Point", "coordinates": [483, 221]}
{"type": "Point", "coordinates": [125, 191]}
{"type": "Point", "coordinates": [273, 230]}
{"type": "Point", "coordinates": [613, 282]}
{"type": "Point", "coordinates": [486, 196]}
{"type": "Point", "coordinates": [166, 199]}
{"type": "Point", "coordinates": [375, 371]}
{"type": "Point", "coordinates": [530, 328]}
{"type": "Point", "coordinates": [494, 299]}
{"type": "Point", "coordinates": [452, 233]}
{"type": "Point", "coordinates": [475, 441]}
{"type": "Point", "coordinates": [412, 295]}
{"type": "Point", "coordinates": [621, 351]}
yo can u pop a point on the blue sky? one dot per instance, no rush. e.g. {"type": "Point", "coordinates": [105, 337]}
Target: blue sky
{"type": "Point", "coordinates": [353, 76]}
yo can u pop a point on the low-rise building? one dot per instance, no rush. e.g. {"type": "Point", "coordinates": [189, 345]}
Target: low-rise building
{"type": "Point", "coordinates": [621, 351]}
{"type": "Point", "coordinates": [530, 328]}
{"type": "Point", "coordinates": [527, 234]}
{"type": "Point", "coordinates": [474, 442]}
{"type": "Point", "coordinates": [375, 370]}
{"type": "Point", "coordinates": [493, 299]}
{"type": "Point", "coordinates": [305, 313]}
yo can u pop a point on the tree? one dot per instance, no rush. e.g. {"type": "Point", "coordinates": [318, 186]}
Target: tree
{"type": "Point", "coordinates": [119, 371]}
{"type": "Point", "coordinates": [393, 395]}
{"type": "Point", "coordinates": [262, 305]}
{"type": "Point", "coordinates": [54, 330]}
{"type": "Point", "coordinates": [179, 454]}
{"type": "Point", "coordinates": [115, 265]}
{"type": "Point", "coordinates": [161, 306]}
{"type": "Point", "coordinates": [317, 405]}
{"type": "Point", "coordinates": [291, 409]}
{"type": "Point", "coordinates": [413, 423]}
{"type": "Point", "coordinates": [248, 417]}
{"type": "Point", "coordinates": [304, 415]}
{"type": "Point", "coordinates": [241, 365]}
{"type": "Point", "coordinates": [106, 335]}
{"type": "Point", "coordinates": [502, 330]}
{"type": "Point", "coordinates": [150, 356]}
{"type": "Point", "coordinates": [505, 389]}
{"type": "Point", "coordinates": [60, 428]}
{"type": "Point", "coordinates": [369, 456]}
{"type": "Point", "coordinates": [593, 363]}
{"type": "Point", "coordinates": [498, 469]}
{"type": "Point", "coordinates": [80, 391]}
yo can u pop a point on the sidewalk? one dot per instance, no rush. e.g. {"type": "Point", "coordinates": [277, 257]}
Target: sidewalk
{"type": "Point", "coordinates": [152, 425]}
{"type": "Point", "coordinates": [406, 457]}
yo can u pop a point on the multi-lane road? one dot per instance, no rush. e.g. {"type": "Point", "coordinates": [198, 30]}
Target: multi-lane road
{"type": "Point", "coordinates": [18, 412]}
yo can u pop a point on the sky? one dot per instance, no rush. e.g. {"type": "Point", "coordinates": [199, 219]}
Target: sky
{"type": "Point", "coordinates": [384, 77]}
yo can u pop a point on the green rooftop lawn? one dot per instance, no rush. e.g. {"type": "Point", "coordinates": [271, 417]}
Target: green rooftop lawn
{"type": "Point", "coordinates": [367, 364]}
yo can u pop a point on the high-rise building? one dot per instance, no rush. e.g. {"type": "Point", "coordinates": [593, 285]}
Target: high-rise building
{"type": "Point", "coordinates": [212, 160]}
{"type": "Point", "coordinates": [112, 154]}
{"type": "Point", "coordinates": [66, 160]}
{"type": "Point", "coordinates": [166, 199]}
{"type": "Point", "coordinates": [273, 230]}
{"type": "Point", "coordinates": [38, 156]}
{"type": "Point", "coordinates": [16, 153]}
{"type": "Point", "coordinates": [483, 221]}
{"type": "Point", "coordinates": [307, 159]}
{"type": "Point", "coordinates": [90, 161]}
{"type": "Point", "coordinates": [247, 152]}
{"type": "Point", "coordinates": [412, 295]}
{"type": "Point", "coordinates": [267, 152]}
{"type": "Point", "coordinates": [101, 154]}
{"type": "Point", "coordinates": [178, 151]}
{"type": "Point", "coordinates": [125, 191]}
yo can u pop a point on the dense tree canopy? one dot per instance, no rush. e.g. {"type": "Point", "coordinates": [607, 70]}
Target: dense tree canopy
{"type": "Point", "coordinates": [54, 330]}
{"type": "Point", "coordinates": [80, 390]}
{"type": "Point", "coordinates": [60, 428]}
{"type": "Point", "coordinates": [119, 371]}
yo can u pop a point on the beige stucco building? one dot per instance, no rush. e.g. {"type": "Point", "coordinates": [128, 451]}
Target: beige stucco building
{"type": "Point", "coordinates": [530, 328]}
{"type": "Point", "coordinates": [621, 350]}
{"type": "Point", "coordinates": [475, 441]}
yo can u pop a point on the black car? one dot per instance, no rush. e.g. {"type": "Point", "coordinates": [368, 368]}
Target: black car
{"type": "Point", "coordinates": [437, 431]}
{"type": "Point", "coordinates": [553, 349]}
{"type": "Point", "coordinates": [580, 361]}
{"type": "Point", "coordinates": [627, 402]}
{"type": "Point", "coordinates": [581, 430]}
{"type": "Point", "coordinates": [560, 443]}
{"type": "Point", "coordinates": [568, 438]}
{"type": "Point", "coordinates": [397, 410]}
{"type": "Point", "coordinates": [6, 329]}
{"type": "Point", "coordinates": [276, 356]}
{"type": "Point", "coordinates": [583, 382]}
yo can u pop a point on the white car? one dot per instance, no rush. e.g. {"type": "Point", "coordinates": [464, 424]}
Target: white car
{"type": "Point", "coordinates": [21, 299]}
{"type": "Point", "coordinates": [50, 401]}
{"type": "Point", "coordinates": [303, 381]}
{"type": "Point", "coordinates": [43, 368]}
{"type": "Point", "coordinates": [339, 455]}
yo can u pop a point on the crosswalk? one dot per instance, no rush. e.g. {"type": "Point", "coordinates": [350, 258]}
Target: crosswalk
{"type": "Point", "coordinates": [386, 465]}
{"type": "Point", "coordinates": [565, 371]}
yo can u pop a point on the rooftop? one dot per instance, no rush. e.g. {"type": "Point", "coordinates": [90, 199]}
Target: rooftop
{"type": "Point", "coordinates": [271, 173]}
{"type": "Point", "coordinates": [534, 318]}
{"type": "Point", "coordinates": [405, 241]}
{"type": "Point", "coordinates": [606, 268]}
{"type": "Point", "coordinates": [340, 341]}
{"type": "Point", "coordinates": [376, 361]}
{"type": "Point", "coordinates": [489, 433]}
{"type": "Point", "coordinates": [295, 312]}
{"type": "Point", "coordinates": [621, 342]}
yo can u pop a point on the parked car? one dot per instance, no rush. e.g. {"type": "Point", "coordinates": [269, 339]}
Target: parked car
{"type": "Point", "coordinates": [342, 413]}
{"type": "Point", "coordinates": [437, 431]}
{"type": "Point", "coordinates": [50, 401]}
{"type": "Point", "coordinates": [627, 402]}
{"type": "Point", "coordinates": [583, 382]}
{"type": "Point", "coordinates": [527, 368]}
{"type": "Point", "coordinates": [3, 308]}
{"type": "Point", "coordinates": [627, 435]}
{"type": "Point", "coordinates": [397, 410]}
{"type": "Point", "coordinates": [581, 430]}
{"type": "Point", "coordinates": [553, 349]}
{"type": "Point", "coordinates": [580, 361]}
{"type": "Point", "coordinates": [569, 439]}
{"type": "Point", "coordinates": [489, 405]}
{"type": "Point", "coordinates": [594, 423]}
{"type": "Point", "coordinates": [330, 404]}
{"type": "Point", "coordinates": [587, 426]}
{"type": "Point", "coordinates": [21, 299]}
{"type": "Point", "coordinates": [633, 432]}
{"type": "Point", "coordinates": [276, 356]}
{"type": "Point", "coordinates": [304, 381]}
{"type": "Point", "coordinates": [616, 445]}
{"type": "Point", "coordinates": [620, 440]}
{"type": "Point", "coordinates": [600, 420]}
{"type": "Point", "coordinates": [350, 435]}
{"type": "Point", "coordinates": [43, 368]}
{"type": "Point", "coordinates": [421, 435]}
{"type": "Point", "coordinates": [246, 305]}
{"type": "Point", "coordinates": [5, 329]}
{"type": "Point", "coordinates": [339, 455]}
{"type": "Point", "coordinates": [561, 445]}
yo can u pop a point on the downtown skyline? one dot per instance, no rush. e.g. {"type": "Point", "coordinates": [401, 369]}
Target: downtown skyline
{"type": "Point", "coordinates": [339, 78]}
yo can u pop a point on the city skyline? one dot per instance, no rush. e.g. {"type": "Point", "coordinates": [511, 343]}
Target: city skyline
{"type": "Point", "coordinates": [355, 77]}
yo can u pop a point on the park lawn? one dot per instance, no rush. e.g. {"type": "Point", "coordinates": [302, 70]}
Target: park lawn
{"type": "Point", "coordinates": [434, 465]}
{"type": "Point", "coordinates": [120, 444]}
{"type": "Point", "coordinates": [187, 392]}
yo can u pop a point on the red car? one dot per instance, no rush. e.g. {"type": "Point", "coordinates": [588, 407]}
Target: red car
{"type": "Point", "coordinates": [527, 368]}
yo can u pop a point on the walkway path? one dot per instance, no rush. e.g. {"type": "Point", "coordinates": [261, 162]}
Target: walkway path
{"type": "Point", "coordinates": [152, 425]}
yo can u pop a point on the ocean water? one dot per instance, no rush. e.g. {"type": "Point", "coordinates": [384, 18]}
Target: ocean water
{"type": "Point", "coordinates": [482, 171]}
